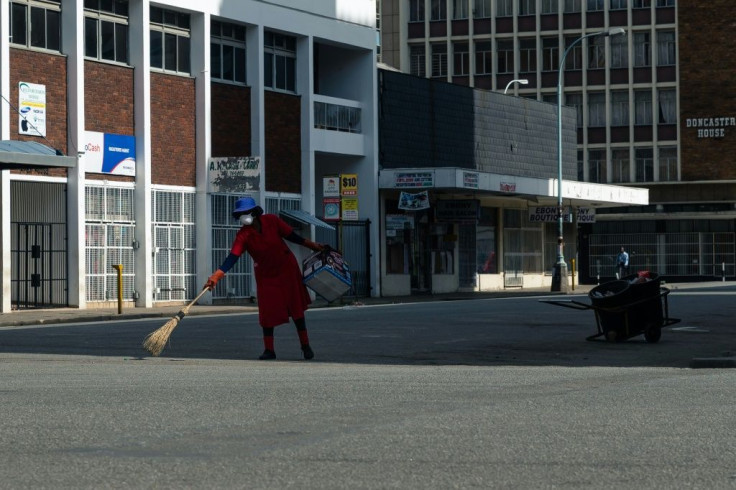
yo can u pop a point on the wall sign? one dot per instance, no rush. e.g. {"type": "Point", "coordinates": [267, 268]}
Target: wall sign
{"type": "Point", "coordinates": [106, 153]}
{"type": "Point", "coordinates": [457, 210]}
{"type": "Point", "coordinates": [32, 108]}
{"type": "Point", "coordinates": [414, 179]}
{"type": "Point", "coordinates": [549, 214]}
{"type": "Point", "coordinates": [710, 127]}
{"type": "Point", "coordinates": [234, 175]}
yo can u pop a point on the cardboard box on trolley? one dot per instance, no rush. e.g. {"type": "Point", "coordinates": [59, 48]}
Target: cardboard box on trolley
{"type": "Point", "coordinates": [327, 274]}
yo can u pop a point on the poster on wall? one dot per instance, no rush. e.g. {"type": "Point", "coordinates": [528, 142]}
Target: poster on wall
{"type": "Point", "coordinates": [350, 209]}
{"type": "Point", "coordinates": [32, 108]}
{"type": "Point", "coordinates": [106, 153]}
{"type": "Point", "coordinates": [234, 175]}
{"type": "Point", "coordinates": [331, 207]}
{"type": "Point", "coordinates": [331, 186]}
{"type": "Point", "coordinates": [414, 202]}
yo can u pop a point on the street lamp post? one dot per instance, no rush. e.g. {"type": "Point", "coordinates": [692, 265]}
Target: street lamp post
{"type": "Point", "coordinates": [559, 278]}
{"type": "Point", "coordinates": [522, 81]}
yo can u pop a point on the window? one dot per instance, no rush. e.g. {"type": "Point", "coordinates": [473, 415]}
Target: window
{"type": "Point", "coordinates": [619, 52]}
{"type": "Point", "coordinates": [482, 9]}
{"type": "Point", "coordinates": [506, 56]}
{"type": "Point", "coordinates": [642, 4]}
{"type": "Point", "coordinates": [665, 48]}
{"type": "Point", "coordinates": [438, 10]}
{"type": "Point", "coordinates": [439, 60]}
{"type": "Point", "coordinates": [597, 166]}
{"type": "Point", "coordinates": [594, 5]}
{"type": "Point", "coordinates": [620, 165]}
{"type": "Point", "coordinates": [279, 61]}
{"type": "Point", "coordinates": [642, 49]}
{"type": "Point", "coordinates": [483, 58]}
{"type": "Point", "coordinates": [36, 24]}
{"type": "Point", "coordinates": [417, 61]}
{"type": "Point", "coordinates": [485, 241]}
{"type": "Point", "coordinates": [619, 4]}
{"type": "Point", "coordinates": [504, 8]}
{"type": "Point", "coordinates": [416, 10]}
{"type": "Point", "coordinates": [527, 55]}
{"type": "Point", "coordinates": [665, 3]}
{"type": "Point", "coordinates": [106, 30]}
{"type": "Point", "coordinates": [459, 9]}
{"type": "Point", "coordinates": [550, 54]}
{"type": "Point", "coordinates": [227, 52]}
{"type": "Point", "coordinates": [596, 110]}
{"type": "Point", "coordinates": [644, 165]}
{"type": "Point", "coordinates": [667, 106]}
{"type": "Point", "coordinates": [170, 44]}
{"type": "Point", "coordinates": [574, 59]}
{"type": "Point", "coordinates": [597, 52]}
{"type": "Point", "coordinates": [643, 108]}
{"type": "Point", "coordinates": [461, 59]}
{"type": "Point", "coordinates": [549, 6]}
{"type": "Point", "coordinates": [572, 6]}
{"type": "Point", "coordinates": [668, 164]}
{"type": "Point", "coordinates": [527, 7]}
{"type": "Point", "coordinates": [619, 108]}
{"type": "Point", "coordinates": [576, 101]}
{"type": "Point", "coordinates": [581, 166]}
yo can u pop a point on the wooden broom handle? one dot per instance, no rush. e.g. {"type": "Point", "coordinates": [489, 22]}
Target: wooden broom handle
{"type": "Point", "coordinates": [185, 310]}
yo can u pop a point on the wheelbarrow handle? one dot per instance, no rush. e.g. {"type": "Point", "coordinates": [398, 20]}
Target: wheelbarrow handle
{"type": "Point", "coordinates": [567, 303]}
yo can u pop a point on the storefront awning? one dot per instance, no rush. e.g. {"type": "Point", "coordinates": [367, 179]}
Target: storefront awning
{"type": "Point", "coordinates": [25, 154]}
{"type": "Point", "coordinates": [304, 217]}
{"type": "Point", "coordinates": [538, 190]}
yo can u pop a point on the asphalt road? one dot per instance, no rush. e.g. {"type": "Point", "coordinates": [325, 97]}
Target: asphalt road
{"type": "Point", "coordinates": [502, 393]}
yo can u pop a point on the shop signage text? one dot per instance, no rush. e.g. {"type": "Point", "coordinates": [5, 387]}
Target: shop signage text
{"type": "Point", "coordinates": [463, 210]}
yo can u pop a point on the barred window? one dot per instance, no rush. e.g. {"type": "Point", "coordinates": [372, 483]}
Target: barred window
{"type": "Point", "coordinates": [106, 30]}
{"type": "Point", "coordinates": [483, 58]}
{"type": "Point", "coordinates": [418, 61]}
{"type": "Point", "coordinates": [227, 52]}
{"type": "Point", "coordinates": [439, 60]}
{"type": "Point", "coordinates": [279, 61]}
{"type": "Point", "coordinates": [170, 40]}
{"type": "Point", "coordinates": [36, 24]}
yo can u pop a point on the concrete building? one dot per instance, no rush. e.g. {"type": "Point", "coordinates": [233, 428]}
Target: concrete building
{"type": "Point", "coordinates": [655, 108]}
{"type": "Point", "coordinates": [130, 127]}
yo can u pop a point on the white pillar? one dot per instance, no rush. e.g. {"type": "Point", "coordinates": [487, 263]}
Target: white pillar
{"type": "Point", "coordinates": [5, 258]}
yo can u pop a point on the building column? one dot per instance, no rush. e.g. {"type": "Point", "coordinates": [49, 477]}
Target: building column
{"type": "Point", "coordinates": [5, 257]}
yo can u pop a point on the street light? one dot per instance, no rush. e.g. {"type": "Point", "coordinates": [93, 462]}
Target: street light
{"type": "Point", "coordinates": [522, 81]}
{"type": "Point", "coordinates": [559, 278]}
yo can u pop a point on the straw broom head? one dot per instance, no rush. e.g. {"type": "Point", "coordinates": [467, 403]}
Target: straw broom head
{"type": "Point", "coordinates": [156, 340]}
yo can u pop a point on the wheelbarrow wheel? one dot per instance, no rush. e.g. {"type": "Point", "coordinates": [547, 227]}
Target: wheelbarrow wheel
{"type": "Point", "coordinates": [652, 334]}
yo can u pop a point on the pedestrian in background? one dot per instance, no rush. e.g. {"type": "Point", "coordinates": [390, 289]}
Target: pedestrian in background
{"type": "Point", "coordinates": [280, 288]}
{"type": "Point", "coordinates": [622, 264]}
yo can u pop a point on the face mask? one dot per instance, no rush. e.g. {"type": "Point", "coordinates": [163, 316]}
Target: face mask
{"type": "Point", "coordinates": [246, 219]}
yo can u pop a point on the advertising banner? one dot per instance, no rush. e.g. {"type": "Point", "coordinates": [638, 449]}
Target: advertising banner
{"type": "Point", "coordinates": [106, 153]}
{"type": "Point", "coordinates": [32, 108]}
{"type": "Point", "coordinates": [414, 202]}
{"type": "Point", "coordinates": [331, 207]}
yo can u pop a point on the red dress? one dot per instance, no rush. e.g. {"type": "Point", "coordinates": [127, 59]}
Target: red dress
{"type": "Point", "coordinates": [281, 291]}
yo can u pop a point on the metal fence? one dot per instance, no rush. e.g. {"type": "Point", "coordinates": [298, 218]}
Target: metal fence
{"type": "Point", "coordinates": [705, 254]}
{"type": "Point", "coordinates": [238, 281]}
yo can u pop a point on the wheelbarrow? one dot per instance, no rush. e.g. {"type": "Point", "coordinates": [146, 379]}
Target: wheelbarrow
{"type": "Point", "coordinates": [623, 312]}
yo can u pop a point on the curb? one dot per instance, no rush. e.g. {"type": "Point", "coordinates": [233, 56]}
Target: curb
{"type": "Point", "coordinates": [713, 362]}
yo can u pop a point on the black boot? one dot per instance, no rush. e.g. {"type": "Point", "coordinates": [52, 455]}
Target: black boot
{"type": "Point", "coordinates": [267, 355]}
{"type": "Point", "coordinates": [308, 352]}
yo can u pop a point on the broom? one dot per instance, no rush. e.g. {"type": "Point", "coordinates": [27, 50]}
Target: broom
{"type": "Point", "coordinates": [156, 340]}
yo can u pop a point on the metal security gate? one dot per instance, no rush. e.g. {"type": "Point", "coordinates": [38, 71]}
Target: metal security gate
{"type": "Point", "coordinates": [352, 238]}
{"type": "Point", "coordinates": [38, 245]}
{"type": "Point", "coordinates": [39, 265]}
{"type": "Point", "coordinates": [174, 258]}
{"type": "Point", "coordinates": [237, 283]}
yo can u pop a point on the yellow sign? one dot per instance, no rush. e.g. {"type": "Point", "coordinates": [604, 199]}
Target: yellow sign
{"type": "Point", "coordinates": [348, 184]}
{"type": "Point", "coordinates": [349, 209]}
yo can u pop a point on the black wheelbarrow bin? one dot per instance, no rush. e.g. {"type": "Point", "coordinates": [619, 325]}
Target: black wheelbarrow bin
{"type": "Point", "coordinates": [622, 316]}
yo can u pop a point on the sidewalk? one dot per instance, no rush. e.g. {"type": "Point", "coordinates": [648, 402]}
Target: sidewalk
{"type": "Point", "coordinates": [72, 315]}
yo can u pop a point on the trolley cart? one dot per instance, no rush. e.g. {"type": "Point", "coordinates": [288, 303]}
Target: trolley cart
{"type": "Point", "coordinates": [620, 317]}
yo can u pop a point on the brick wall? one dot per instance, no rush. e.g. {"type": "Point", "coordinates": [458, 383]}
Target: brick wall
{"type": "Point", "coordinates": [707, 84]}
{"type": "Point", "coordinates": [49, 70]}
{"type": "Point", "coordinates": [283, 142]}
{"type": "Point", "coordinates": [109, 104]}
{"type": "Point", "coordinates": [173, 130]}
{"type": "Point", "coordinates": [230, 120]}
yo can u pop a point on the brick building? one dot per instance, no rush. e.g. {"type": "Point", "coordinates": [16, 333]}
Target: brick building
{"type": "Point", "coordinates": [155, 117]}
{"type": "Point", "coordinates": [655, 108]}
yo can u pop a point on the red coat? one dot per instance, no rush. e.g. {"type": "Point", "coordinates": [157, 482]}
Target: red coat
{"type": "Point", "coordinates": [281, 291]}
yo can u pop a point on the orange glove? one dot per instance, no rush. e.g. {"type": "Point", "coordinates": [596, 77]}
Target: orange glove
{"type": "Point", "coordinates": [214, 278]}
{"type": "Point", "coordinates": [317, 247]}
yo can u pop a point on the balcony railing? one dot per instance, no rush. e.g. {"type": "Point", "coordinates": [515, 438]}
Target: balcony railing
{"type": "Point", "coordinates": [337, 117]}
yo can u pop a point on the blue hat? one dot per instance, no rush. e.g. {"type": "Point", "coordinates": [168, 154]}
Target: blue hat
{"type": "Point", "coordinates": [243, 205]}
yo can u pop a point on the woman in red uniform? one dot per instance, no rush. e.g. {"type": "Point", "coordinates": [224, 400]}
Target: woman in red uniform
{"type": "Point", "coordinates": [281, 291]}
